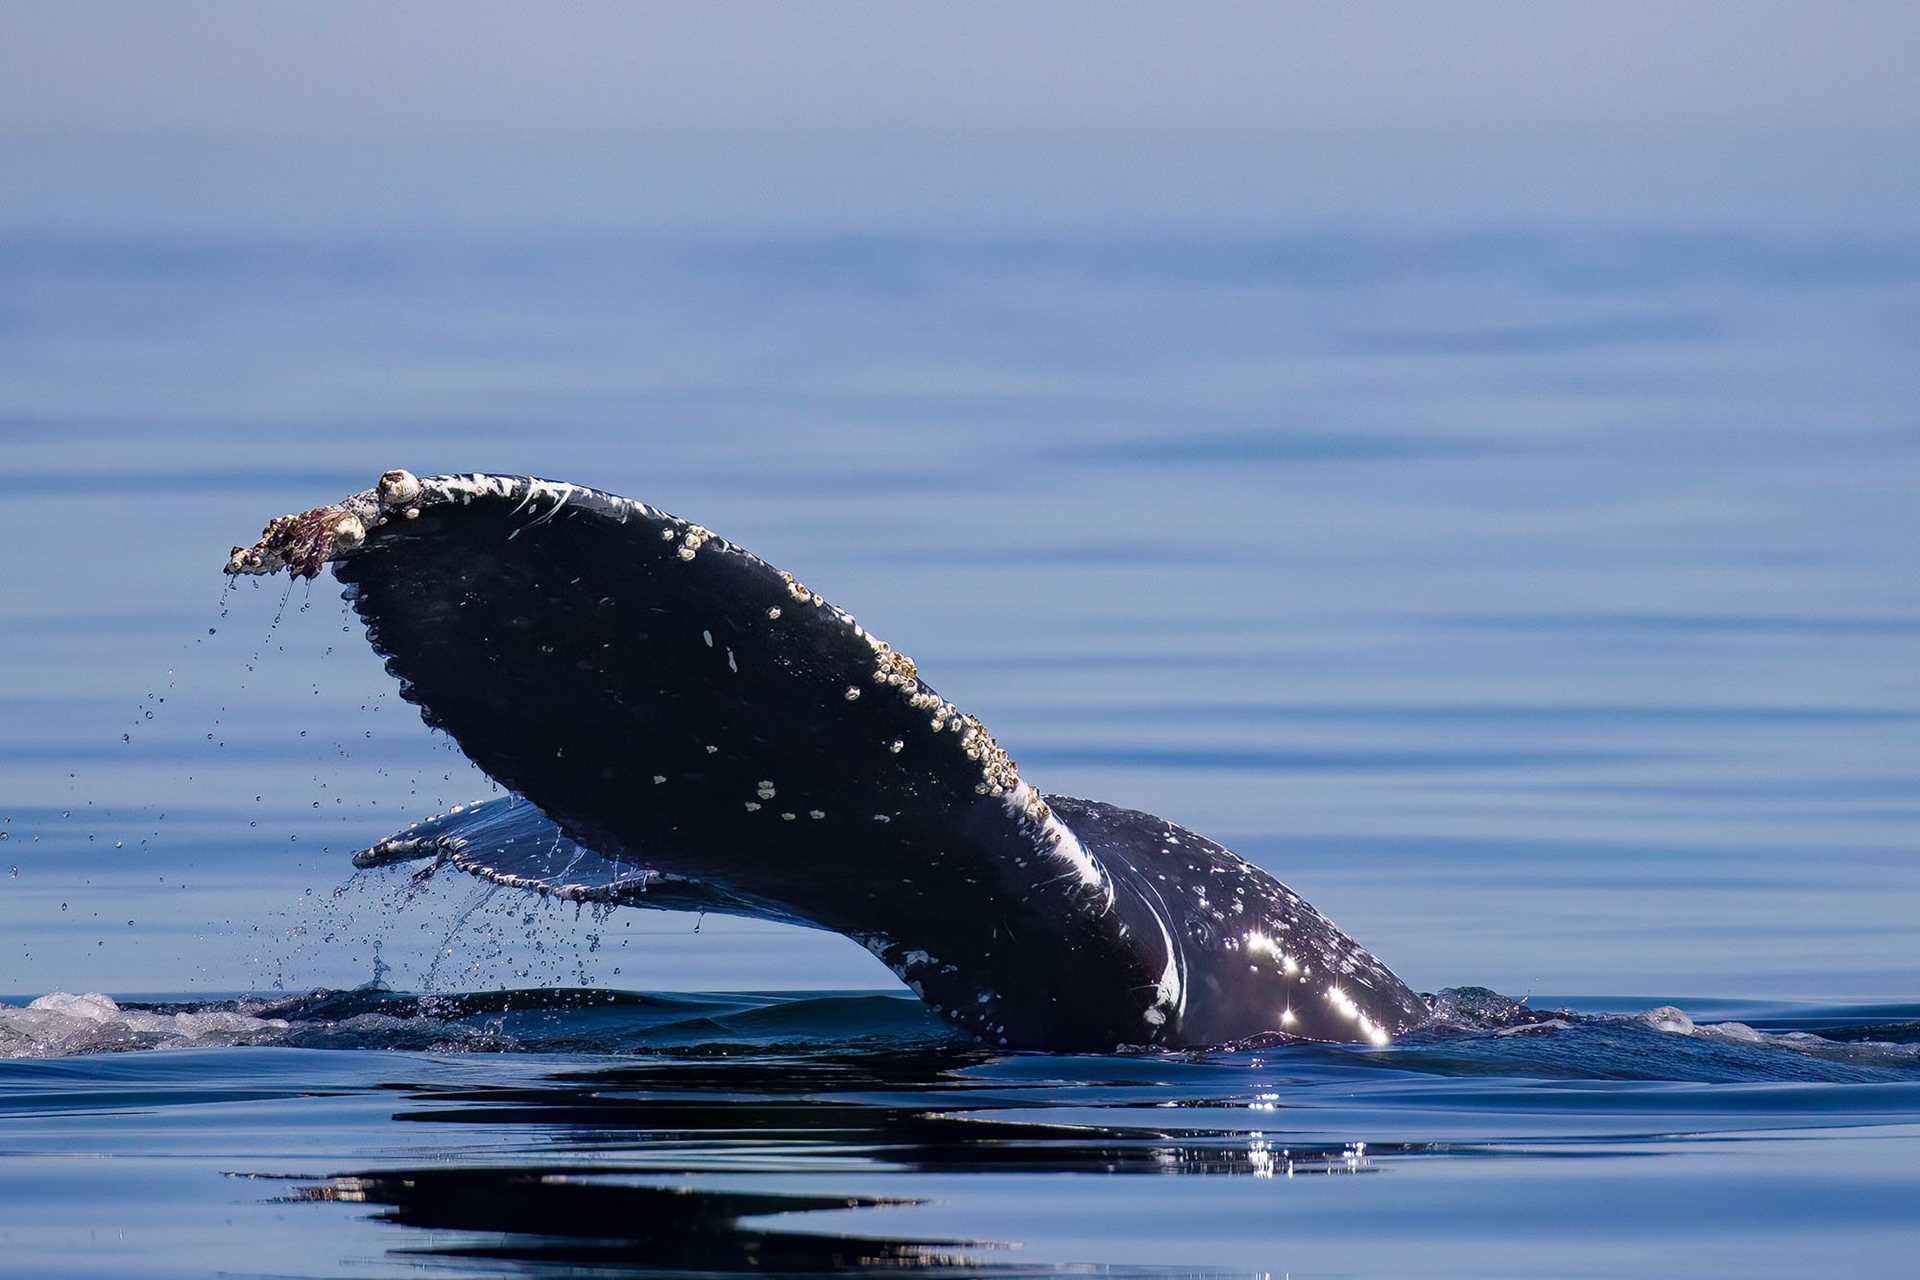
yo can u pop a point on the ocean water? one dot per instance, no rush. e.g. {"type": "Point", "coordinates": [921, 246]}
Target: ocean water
{"type": "Point", "coordinates": [1538, 602]}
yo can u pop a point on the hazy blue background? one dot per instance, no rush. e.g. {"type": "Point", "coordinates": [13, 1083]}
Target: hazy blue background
{"type": "Point", "coordinates": [1463, 457]}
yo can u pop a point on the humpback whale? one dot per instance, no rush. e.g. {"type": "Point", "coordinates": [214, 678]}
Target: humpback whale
{"type": "Point", "coordinates": [680, 725]}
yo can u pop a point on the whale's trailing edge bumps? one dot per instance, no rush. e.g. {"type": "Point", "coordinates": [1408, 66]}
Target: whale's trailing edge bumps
{"type": "Point", "coordinates": [681, 725]}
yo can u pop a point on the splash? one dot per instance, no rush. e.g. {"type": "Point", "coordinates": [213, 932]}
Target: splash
{"type": "Point", "coordinates": [62, 1025]}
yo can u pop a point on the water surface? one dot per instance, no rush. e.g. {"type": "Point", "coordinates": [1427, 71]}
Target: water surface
{"type": "Point", "coordinates": [1538, 602]}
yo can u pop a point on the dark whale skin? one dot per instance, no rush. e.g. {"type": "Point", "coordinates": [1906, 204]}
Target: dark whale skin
{"type": "Point", "coordinates": [683, 725]}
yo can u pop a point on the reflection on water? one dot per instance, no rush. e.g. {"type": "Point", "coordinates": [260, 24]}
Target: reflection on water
{"type": "Point", "coordinates": [914, 1112]}
{"type": "Point", "coordinates": [555, 1132]}
{"type": "Point", "coordinates": [585, 1217]}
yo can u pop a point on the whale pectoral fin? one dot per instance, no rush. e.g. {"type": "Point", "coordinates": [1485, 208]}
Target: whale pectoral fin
{"type": "Point", "coordinates": [667, 698]}
{"type": "Point", "coordinates": [503, 822]}
{"type": "Point", "coordinates": [509, 841]}
{"type": "Point", "coordinates": [686, 726]}
{"type": "Point", "coordinates": [664, 695]}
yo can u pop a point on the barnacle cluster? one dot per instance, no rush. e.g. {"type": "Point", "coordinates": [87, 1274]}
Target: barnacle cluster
{"type": "Point", "coordinates": [798, 590]}
{"type": "Point", "coordinates": [999, 775]}
{"type": "Point", "coordinates": [691, 542]}
{"type": "Point", "coordinates": [301, 544]}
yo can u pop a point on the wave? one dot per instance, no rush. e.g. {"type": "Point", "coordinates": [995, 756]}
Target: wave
{"type": "Point", "coordinates": [1474, 1031]}
{"type": "Point", "coordinates": [538, 1020]}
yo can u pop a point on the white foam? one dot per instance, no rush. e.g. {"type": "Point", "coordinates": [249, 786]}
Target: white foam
{"type": "Point", "coordinates": [62, 1024]}
{"type": "Point", "coordinates": [1675, 1021]}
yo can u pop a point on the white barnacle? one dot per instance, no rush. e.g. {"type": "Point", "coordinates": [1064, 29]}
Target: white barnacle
{"type": "Point", "coordinates": [774, 613]}
{"type": "Point", "coordinates": [881, 817]}
{"type": "Point", "coordinates": [753, 806]}
{"type": "Point", "coordinates": [348, 532]}
{"type": "Point", "coordinates": [896, 746]}
{"type": "Point", "coordinates": [788, 817]}
{"type": "Point", "coordinates": [816, 814]}
{"type": "Point", "coordinates": [397, 487]}
{"type": "Point", "coordinates": [853, 693]}
{"type": "Point", "coordinates": [708, 637]}
{"type": "Point", "coordinates": [686, 553]}
{"type": "Point", "coordinates": [659, 778]}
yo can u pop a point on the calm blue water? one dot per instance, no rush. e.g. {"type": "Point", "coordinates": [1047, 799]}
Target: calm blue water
{"type": "Point", "coordinates": [1540, 603]}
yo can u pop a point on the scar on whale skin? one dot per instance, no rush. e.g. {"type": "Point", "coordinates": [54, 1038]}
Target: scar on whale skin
{"type": "Point", "coordinates": [645, 689]}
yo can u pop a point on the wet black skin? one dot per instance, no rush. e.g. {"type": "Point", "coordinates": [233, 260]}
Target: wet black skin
{"type": "Point", "coordinates": [639, 700]}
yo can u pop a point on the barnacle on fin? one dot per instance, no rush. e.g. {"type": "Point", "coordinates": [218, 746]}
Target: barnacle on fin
{"type": "Point", "coordinates": [300, 544]}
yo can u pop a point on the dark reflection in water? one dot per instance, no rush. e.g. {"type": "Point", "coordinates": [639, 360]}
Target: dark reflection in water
{"type": "Point", "coordinates": [908, 1112]}
{"type": "Point", "coordinates": [565, 1217]}
{"type": "Point", "coordinates": [905, 1111]}
{"type": "Point", "coordinates": [596, 1216]}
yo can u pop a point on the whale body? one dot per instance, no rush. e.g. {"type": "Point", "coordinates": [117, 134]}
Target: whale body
{"type": "Point", "coordinates": [680, 725]}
